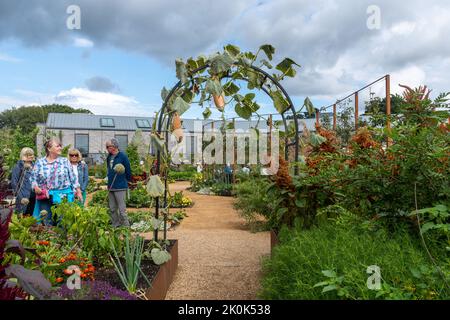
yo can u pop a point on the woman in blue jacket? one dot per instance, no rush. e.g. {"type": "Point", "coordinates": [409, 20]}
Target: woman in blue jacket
{"type": "Point", "coordinates": [117, 183]}
{"type": "Point", "coordinates": [81, 170]}
{"type": "Point", "coordinates": [21, 183]}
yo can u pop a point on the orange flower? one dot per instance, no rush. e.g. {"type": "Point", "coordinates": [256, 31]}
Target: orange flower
{"type": "Point", "coordinates": [62, 260]}
{"type": "Point", "coordinates": [58, 280]}
{"type": "Point", "coordinates": [83, 275]}
{"type": "Point", "coordinates": [68, 272]}
{"type": "Point", "coordinates": [82, 264]}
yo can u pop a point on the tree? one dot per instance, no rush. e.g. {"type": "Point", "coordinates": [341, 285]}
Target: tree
{"type": "Point", "coordinates": [26, 118]}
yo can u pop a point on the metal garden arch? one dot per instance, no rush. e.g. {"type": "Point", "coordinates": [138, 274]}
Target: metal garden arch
{"type": "Point", "coordinates": [265, 87]}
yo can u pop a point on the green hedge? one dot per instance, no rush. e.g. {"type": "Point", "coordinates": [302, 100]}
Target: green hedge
{"type": "Point", "coordinates": [181, 176]}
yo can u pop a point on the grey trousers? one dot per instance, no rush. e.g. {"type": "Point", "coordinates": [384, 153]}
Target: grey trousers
{"type": "Point", "coordinates": [117, 208]}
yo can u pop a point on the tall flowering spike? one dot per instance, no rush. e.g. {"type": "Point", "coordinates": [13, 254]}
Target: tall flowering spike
{"type": "Point", "coordinates": [282, 178]}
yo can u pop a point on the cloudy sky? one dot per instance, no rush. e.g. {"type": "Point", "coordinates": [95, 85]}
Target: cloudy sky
{"type": "Point", "coordinates": [124, 52]}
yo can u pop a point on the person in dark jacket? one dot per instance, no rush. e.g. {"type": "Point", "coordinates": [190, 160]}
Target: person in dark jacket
{"type": "Point", "coordinates": [21, 183]}
{"type": "Point", "coordinates": [118, 178]}
{"type": "Point", "coordinates": [81, 170]}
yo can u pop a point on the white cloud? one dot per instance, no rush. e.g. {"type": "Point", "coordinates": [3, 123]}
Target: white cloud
{"type": "Point", "coordinates": [83, 43]}
{"type": "Point", "coordinates": [102, 102]}
{"type": "Point", "coordinates": [411, 76]}
{"type": "Point", "coordinates": [403, 28]}
{"type": "Point", "coordinates": [95, 101]}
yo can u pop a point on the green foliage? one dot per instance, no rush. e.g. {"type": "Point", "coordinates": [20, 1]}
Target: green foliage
{"type": "Point", "coordinates": [330, 262]}
{"type": "Point", "coordinates": [178, 200]}
{"type": "Point", "coordinates": [135, 160]}
{"type": "Point", "coordinates": [181, 176]}
{"type": "Point", "coordinates": [26, 118]}
{"type": "Point", "coordinates": [100, 198]}
{"type": "Point", "coordinates": [12, 143]}
{"type": "Point", "coordinates": [235, 65]}
{"type": "Point", "coordinates": [89, 228]}
{"type": "Point", "coordinates": [98, 171]}
{"type": "Point", "coordinates": [139, 198]}
{"type": "Point", "coordinates": [253, 199]}
{"type": "Point", "coordinates": [131, 268]}
{"type": "Point", "coordinates": [222, 189]}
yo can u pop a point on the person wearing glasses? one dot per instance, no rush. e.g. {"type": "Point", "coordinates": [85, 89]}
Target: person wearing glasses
{"type": "Point", "coordinates": [53, 180]}
{"type": "Point", "coordinates": [117, 183]}
{"type": "Point", "coordinates": [80, 169]}
{"type": "Point", "coordinates": [21, 183]}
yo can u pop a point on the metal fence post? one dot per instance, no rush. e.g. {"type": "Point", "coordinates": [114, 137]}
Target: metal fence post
{"type": "Point", "coordinates": [388, 107]}
{"type": "Point", "coordinates": [334, 117]}
{"type": "Point", "coordinates": [356, 110]}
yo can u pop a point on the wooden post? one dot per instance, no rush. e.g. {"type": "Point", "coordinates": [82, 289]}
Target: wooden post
{"type": "Point", "coordinates": [270, 135]}
{"type": "Point", "coordinates": [356, 110]}
{"type": "Point", "coordinates": [334, 117]}
{"type": "Point", "coordinates": [317, 117]}
{"type": "Point", "coordinates": [234, 150]}
{"type": "Point", "coordinates": [213, 166]}
{"type": "Point", "coordinates": [388, 106]}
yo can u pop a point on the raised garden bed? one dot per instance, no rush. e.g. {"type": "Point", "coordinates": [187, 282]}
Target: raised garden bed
{"type": "Point", "coordinates": [160, 276]}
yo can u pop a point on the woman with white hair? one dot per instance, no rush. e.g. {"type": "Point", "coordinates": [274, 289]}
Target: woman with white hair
{"type": "Point", "coordinates": [81, 170]}
{"type": "Point", "coordinates": [21, 183]}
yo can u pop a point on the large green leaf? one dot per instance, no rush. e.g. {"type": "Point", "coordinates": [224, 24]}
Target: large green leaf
{"type": "Point", "coordinates": [155, 187]}
{"type": "Point", "coordinates": [249, 96]}
{"type": "Point", "coordinates": [206, 113]}
{"type": "Point", "coordinates": [188, 95]}
{"type": "Point", "coordinates": [221, 63]}
{"type": "Point", "coordinates": [164, 93]}
{"type": "Point", "coordinates": [268, 50]}
{"type": "Point", "coordinates": [286, 66]}
{"type": "Point", "coordinates": [266, 63]}
{"type": "Point", "coordinates": [243, 111]}
{"type": "Point", "coordinates": [180, 105]}
{"type": "Point", "coordinates": [250, 55]}
{"type": "Point", "coordinates": [160, 256]}
{"type": "Point", "coordinates": [309, 106]}
{"type": "Point", "coordinates": [230, 88]}
{"type": "Point", "coordinates": [158, 143]}
{"type": "Point", "coordinates": [213, 87]}
{"type": "Point", "coordinates": [232, 50]}
{"type": "Point", "coordinates": [181, 70]}
{"type": "Point", "coordinates": [238, 98]}
{"type": "Point", "coordinates": [279, 101]}
{"type": "Point", "coordinates": [254, 80]}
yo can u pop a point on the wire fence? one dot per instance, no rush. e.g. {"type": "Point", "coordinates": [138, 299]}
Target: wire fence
{"type": "Point", "coordinates": [362, 107]}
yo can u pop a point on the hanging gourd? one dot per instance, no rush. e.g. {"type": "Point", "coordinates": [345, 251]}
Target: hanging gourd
{"type": "Point", "coordinates": [219, 101]}
{"type": "Point", "coordinates": [177, 130]}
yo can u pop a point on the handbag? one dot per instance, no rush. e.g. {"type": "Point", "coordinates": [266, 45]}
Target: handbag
{"type": "Point", "coordinates": [44, 195]}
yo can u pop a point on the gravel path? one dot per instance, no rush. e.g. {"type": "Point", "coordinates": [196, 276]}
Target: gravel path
{"type": "Point", "coordinates": [218, 257]}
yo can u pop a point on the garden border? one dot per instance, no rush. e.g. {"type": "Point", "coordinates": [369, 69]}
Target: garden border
{"type": "Point", "coordinates": [164, 277]}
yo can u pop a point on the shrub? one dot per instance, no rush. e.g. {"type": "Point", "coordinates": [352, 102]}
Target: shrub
{"type": "Point", "coordinates": [253, 199]}
{"type": "Point", "coordinates": [222, 189]}
{"type": "Point", "coordinates": [330, 262]}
